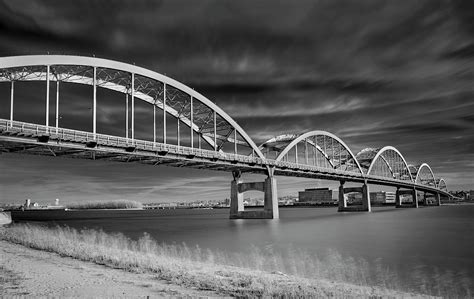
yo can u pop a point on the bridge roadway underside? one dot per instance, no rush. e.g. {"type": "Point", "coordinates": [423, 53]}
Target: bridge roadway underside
{"type": "Point", "coordinates": [58, 148]}
{"type": "Point", "coordinates": [23, 142]}
{"type": "Point", "coordinates": [55, 147]}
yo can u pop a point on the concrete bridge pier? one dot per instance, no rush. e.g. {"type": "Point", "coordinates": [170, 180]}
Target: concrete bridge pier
{"type": "Point", "coordinates": [268, 187]}
{"type": "Point", "coordinates": [236, 197]}
{"type": "Point", "coordinates": [412, 192]}
{"type": "Point", "coordinates": [364, 207]}
{"type": "Point", "coordinates": [437, 199]}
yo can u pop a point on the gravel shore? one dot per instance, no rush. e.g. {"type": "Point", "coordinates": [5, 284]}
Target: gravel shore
{"type": "Point", "coordinates": [34, 273]}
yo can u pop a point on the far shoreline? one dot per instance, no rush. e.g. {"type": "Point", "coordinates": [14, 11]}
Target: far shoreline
{"type": "Point", "coordinates": [60, 214]}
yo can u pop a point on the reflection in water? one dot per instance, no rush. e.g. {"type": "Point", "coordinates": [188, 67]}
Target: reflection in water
{"type": "Point", "coordinates": [274, 228]}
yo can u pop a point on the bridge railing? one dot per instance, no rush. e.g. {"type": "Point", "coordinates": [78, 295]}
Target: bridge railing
{"type": "Point", "coordinates": [310, 168]}
{"type": "Point", "coordinates": [35, 130]}
{"type": "Point", "coordinates": [405, 182]}
{"type": "Point", "coordinates": [384, 178]}
{"type": "Point", "coordinates": [62, 134]}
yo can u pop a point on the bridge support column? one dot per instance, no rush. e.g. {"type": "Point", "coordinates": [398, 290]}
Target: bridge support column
{"type": "Point", "coordinates": [415, 198]}
{"type": "Point", "coordinates": [47, 96]}
{"type": "Point", "coordinates": [398, 202]}
{"type": "Point", "coordinates": [236, 198]}
{"type": "Point", "coordinates": [366, 198]}
{"type": "Point", "coordinates": [268, 187]}
{"type": "Point", "coordinates": [12, 90]}
{"type": "Point", "coordinates": [425, 200]}
{"type": "Point", "coordinates": [437, 199]}
{"type": "Point", "coordinates": [342, 199]}
{"type": "Point", "coordinates": [271, 196]}
{"type": "Point", "coordinates": [364, 207]}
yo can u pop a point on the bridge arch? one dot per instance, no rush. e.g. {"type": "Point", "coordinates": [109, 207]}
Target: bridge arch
{"type": "Point", "coordinates": [425, 176]}
{"type": "Point", "coordinates": [158, 90]}
{"type": "Point", "coordinates": [442, 185]}
{"type": "Point", "coordinates": [331, 148]}
{"type": "Point", "coordinates": [378, 161]}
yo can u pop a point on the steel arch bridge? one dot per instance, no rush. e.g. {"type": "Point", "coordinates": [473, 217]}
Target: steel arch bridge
{"type": "Point", "coordinates": [204, 136]}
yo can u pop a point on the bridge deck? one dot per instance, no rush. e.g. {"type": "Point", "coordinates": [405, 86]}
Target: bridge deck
{"type": "Point", "coordinates": [28, 138]}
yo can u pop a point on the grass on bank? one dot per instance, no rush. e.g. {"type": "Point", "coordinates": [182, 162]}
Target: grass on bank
{"type": "Point", "coordinates": [258, 272]}
{"type": "Point", "coordinates": [110, 204]}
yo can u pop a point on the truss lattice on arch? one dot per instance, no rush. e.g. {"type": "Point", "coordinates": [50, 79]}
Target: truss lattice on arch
{"type": "Point", "coordinates": [316, 148]}
{"type": "Point", "coordinates": [189, 107]}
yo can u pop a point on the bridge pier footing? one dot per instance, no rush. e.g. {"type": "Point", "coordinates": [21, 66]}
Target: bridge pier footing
{"type": "Point", "coordinates": [412, 192]}
{"type": "Point", "coordinates": [364, 207]}
{"type": "Point", "coordinates": [268, 187]}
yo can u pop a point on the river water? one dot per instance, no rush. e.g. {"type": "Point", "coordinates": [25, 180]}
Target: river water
{"type": "Point", "coordinates": [434, 239]}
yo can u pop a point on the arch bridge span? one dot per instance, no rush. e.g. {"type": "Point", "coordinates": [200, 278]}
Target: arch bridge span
{"type": "Point", "coordinates": [187, 130]}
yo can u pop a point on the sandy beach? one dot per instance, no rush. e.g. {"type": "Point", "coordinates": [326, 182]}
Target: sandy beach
{"type": "Point", "coordinates": [35, 273]}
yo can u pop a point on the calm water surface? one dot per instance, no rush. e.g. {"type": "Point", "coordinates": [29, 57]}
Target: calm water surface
{"type": "Point", "coordinates": [441, 237]}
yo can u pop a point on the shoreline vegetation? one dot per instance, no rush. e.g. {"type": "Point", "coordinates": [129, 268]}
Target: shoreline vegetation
{"type": "Point", "coordinates": [260, 272]}
{"type": "Point", "coordinates": [111, 204]}
{"type": "Point", "coordinates": [124, 204]}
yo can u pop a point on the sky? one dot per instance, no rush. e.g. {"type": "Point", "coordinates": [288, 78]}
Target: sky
{"type": "Point", "coordinates": [373, 72]}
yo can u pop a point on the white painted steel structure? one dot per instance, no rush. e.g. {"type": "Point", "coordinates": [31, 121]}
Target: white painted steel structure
{"type": "Point", "coordinates": [315, 154]}
{"type": "Point", "coordinates": [68, 69]}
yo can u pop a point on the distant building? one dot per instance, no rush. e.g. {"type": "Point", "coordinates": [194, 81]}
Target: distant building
{"type": "Point", "coordinates": [253, 201]}
{"type": "Point", "coordinates": [287, 200]}
{"type": "Point", "coordinates": [27, 203]}
{"type": "Point", "coordinates": [465, 195]}
{"type": "Point", "coordinates": [377, 197]}
{"type": "Point", "coordinates": [227, 202]}
{"type": "Point", "coordinates": [406, 198]}
{"type": "Point", "coordinates": [382, 197]}
{"type": "Point", "coordinates": [353, 197]}
{"type": "Point", "coordinates": [390, 197]}
{"type": "Point", "coordinates": [316, 195]}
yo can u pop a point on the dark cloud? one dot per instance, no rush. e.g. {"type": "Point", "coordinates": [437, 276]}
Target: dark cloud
{"type": "Point", "coordinates": [462, 52]}
{"type": "Point", "coordinates": [294, 85]}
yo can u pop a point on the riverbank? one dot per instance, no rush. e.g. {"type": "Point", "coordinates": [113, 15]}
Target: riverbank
{"type": "Point", "coordinates": [34, 273]}
{"type": "Point", "coordinates": [148, 270]}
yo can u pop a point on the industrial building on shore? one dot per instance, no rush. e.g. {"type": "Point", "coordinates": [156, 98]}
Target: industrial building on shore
{"type": "Point", "coordinates": [326, 196]}
{"type": "Point", "coordinates": [316, 196]}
